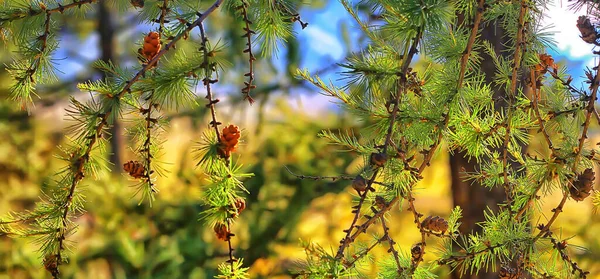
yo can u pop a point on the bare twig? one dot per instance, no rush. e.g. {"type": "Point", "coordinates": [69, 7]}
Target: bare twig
{"type": "Point", "coordinates": [248, 35]}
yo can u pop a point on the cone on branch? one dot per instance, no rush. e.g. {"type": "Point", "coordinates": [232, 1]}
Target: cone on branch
{"type": "Point", "coordinates": [582, 187]}
{"type": "Point", "coordinates": [435, 223]}
{"type": "Point", "coordinates": [229, 140]}
{"type": "Point", "coordinates": [240, 205]}
{"type": "Point", "coordinates": [378, 159]}
{"type": "Point", "coordinates": [222, 232]}
{"type": "Point", "coordinates": [150, 48]}
{"type": "Point", "coordinates": [587, 30]}
{"type": "Point", "coordinates": [135, 169]}
{"type": "Point", "coordinates": [359, 183]}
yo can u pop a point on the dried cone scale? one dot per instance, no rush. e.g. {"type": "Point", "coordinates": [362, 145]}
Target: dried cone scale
{"type": "Point", "coordinates": [583, 185]}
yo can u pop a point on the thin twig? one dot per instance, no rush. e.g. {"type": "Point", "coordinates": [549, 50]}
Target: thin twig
{"type": "Point", "coordinates": [248, 35]}
{"type": "Point", "coordinates": [511, 97]}
{"type": "Point", "coordinates": [207, 81]}
{"type": "Point", "coordinates": [561, 247]}
{"type": "Point", "coordinates": [229, 235]}
{"type": "Point", "coordinates": [164, 9]}
{"type": "Point", "coordinates": [391, 242]}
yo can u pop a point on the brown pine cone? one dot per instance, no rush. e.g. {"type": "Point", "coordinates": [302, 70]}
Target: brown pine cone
{"type": "Point", "coordinates": [378, 159]}
{"type": "Point", "coordinates": [435, 223]}
{"type": "Point", "coordinates": [135, 169]}
{"type": "Point", "coordinates": [583, 185]}
{"type": "Point", "coordinates": [416, 253]}
{"type": "Point", "coordinates": [240, 205]}
{"type": "Point", "coordinates": [222, 232]}
{"type": "Point", "coordinates": [359, 183]}
{"type": "Point", "coordinates": [588, 32]}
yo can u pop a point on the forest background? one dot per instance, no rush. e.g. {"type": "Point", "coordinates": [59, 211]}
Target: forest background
{"type": "Point", "coordinates": [117, 238]}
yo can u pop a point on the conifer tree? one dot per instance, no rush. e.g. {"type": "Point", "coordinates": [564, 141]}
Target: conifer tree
{"type": "Point", "coordinates": [412, 115]}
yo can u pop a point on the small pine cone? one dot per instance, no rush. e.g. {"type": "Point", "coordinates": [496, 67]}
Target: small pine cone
{"type": "Point", "coordinates": [587, 30]}
{"type": "Point", "coordinates": [435, 223]}
{"type": "Point", "coordinates": [380, 202]}
{"type": "Point", "coordinates": [240, 205]}
{"type": "Point", "coordinates": [583, 185]}
{"type": "Point", "coordinates": [378, 159]}
{"type": "Point", "coordinates": [229, 140]}
{"type": "Point", "coordinates": [151, 45]}
{"type": "Point", "coordinates": [546, 61]}
{"type": "Point", "coordinates": [508, 273]}
{"type": "Point", "coordinates": [51, 263]}
{"type": "Point", "coordinates": [222, 232]}
{"type": "Point", "coordinates": [416, 253]}
{"type": "Point", "coordinates": [359, 183]}
{"type": "Point", "coordinates": [135, 169]}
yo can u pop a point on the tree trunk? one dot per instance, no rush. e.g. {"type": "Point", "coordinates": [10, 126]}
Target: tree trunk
{"type": "Point", "coordinates": [472, 197]}
{"type": "Point", "coordinates": [106, 31]}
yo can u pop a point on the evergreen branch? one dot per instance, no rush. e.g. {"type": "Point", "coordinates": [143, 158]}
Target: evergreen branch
{"type": "Point", "coordinates": [590, 109]}
{"type": "Point", "coordinates": [561, 247]}
{"type": "Point", "coordinates": [542, 129]}
{"type": "Point", "coordinates": [207, 81]}
{"type": "Point", "coordinates": [460, 258]}
{"type": "Point", "coordinates": [535, 104]}
{"type": "Point", "coordinates": [431, 151]}
{"type": "Point", "coordinates": [465, 57]}
{"type": "Point", "coordinates": [103, 121]}
{"type": "Point", "coordinates": [511, 97]}
{"type": "Point", "coordinates": [25, 78]}
{"type": "Point", "coordinates": [349, 238]}
{"type": "Point", "coordinates": [34, 12]}
{"type": "Point", "coordinates": [248, 35]}
{"type": "Point", "coordinates": [365, 252]}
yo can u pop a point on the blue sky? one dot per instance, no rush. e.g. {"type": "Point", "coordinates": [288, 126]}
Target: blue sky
{"type": "Point", "coordinates": [322, 43]}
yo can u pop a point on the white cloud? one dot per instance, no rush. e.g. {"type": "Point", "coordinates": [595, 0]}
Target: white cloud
{"type": "Point", "coordinates": [322, 42]}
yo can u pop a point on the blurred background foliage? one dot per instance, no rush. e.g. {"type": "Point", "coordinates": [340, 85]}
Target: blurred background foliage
{"type": "Point", "coordinates": [117, 238]}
